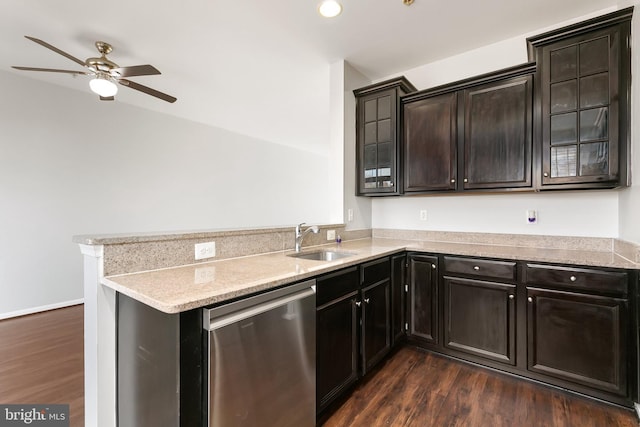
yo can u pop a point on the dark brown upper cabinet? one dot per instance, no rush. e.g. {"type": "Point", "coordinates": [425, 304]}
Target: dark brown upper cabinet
{"type": "Point", "coordinates": [430, 143]}
{"type": "Point", "coordinates": [377, 137]}
{"type": "Point", "coordinates": [583, 103]}
{"type": "Point", "coordinates": [470, 135]}
{"type": "Point", "coordinates": [497, 134]}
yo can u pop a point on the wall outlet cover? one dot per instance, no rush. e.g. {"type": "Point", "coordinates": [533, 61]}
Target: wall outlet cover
{"type": "Point", "coordinates": [205, 250]}
{"type": "Point", "coordinates": [331, 234]}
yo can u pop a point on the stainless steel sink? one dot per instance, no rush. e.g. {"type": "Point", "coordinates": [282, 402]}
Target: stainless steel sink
{"type": "Point", "coordinates": [321, 255]}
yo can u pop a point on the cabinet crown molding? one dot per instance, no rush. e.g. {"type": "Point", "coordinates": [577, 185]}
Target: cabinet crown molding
{"type": "Point", "coordinates": [398, 82]}
{"type": "Point", "coordinates": [597, 23]}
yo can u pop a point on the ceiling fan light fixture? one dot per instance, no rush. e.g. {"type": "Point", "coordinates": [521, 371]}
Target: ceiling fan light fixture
{"type": "Point", "coordinates": [103, 86]}
{"type": "Point", "coordinates": [330, 8]}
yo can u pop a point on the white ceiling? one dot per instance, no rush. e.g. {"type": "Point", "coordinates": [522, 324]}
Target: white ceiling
{"type": "Point", "coordinates": [249, 65]}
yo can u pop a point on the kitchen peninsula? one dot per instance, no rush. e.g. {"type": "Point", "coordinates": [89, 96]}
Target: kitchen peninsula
{"type": "Point", "coordinates": [159, 272]}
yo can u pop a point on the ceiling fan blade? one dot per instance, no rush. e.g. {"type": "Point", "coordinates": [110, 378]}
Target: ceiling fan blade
{"type": "Point", "coordinates": [50, 70]}
{"type": "Point", "coordinates": [107, 98]}
{"type": "Point", "coordinates": [147, 90]}
{"type": "Point", "coordinates": [56, 50]}
{"type": "Point", "coordinates": [136, 70]}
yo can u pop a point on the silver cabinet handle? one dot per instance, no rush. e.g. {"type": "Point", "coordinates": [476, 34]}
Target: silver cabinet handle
{"type": "Point", "coordinates": [476, 268]}
{"type": "Point", "coordinates": [366, 300]}
{"type": "Point", "coordinates": [391, 184]}
{"type": "Point", "coordinates": [465, 180]}
{"type": "Point", "coordinates": [572, 278]}
{"type": "Point", "coordinates": [358, 303]}
{"type": "Point", "coordinates": [511, 296]}
{"type": "Point", "coordinates": [530, 299]}
{"type": "Point", "coordinates": [545, 175]}
{"type": "Point", "coordinates": [433, 266]}
{"type": "Point", "coordinates": [453, 181]}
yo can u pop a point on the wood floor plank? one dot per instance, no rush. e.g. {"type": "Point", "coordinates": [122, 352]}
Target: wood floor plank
{"type": "Point", "coordinates": [42, 360]}
{"type": "Point", "coordinates": [422, 389]}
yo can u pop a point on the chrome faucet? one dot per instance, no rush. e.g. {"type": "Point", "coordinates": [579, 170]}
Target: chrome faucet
{"type": "Point", "coordinates": [300, 234]}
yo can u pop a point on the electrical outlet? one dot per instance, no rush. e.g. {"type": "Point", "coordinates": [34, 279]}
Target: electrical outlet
{"type": "Point", "coordinates": [349, 214]}
{"type": "Point", "coordinates": [331, 234]}
{"type": "Point", "coordinates": [205, 250]}
{"type": "Point", "coordinates": [423, 215]}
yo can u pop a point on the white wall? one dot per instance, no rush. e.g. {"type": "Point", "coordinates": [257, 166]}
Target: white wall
{"type": "Point", "coordinates": [575, 213]}
{"type": "Point", "coordinates": [72, 165]}
{"type": "Point", "coordinates": [359, 206]}
{"type": "Point", "coordinates": [629, 207]}
{"type": "Point", "coordinates": [587, 213]}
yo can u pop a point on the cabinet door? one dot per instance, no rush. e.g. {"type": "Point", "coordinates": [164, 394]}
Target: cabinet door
{"type": "Point", "coordinates": [479, 318]}
{"type": "Point", "coordinates": [430, 143]}
{"type": "Point", "coordinates": [377, 143]}
{"type": "Point", "coordinates": [376, 324]}
{"type": "Point", "coordinates": [423, 298]}
{"type": "Point", "coordinates": [497, 140]}
{"type": "Point", "coordinates": [582, 99]}
{"type": "Point", "coordinates": [578, 338]}
{"type": "Point", "coordinates": [336, 348]}
{"type": "Point", "coordinates": [398, 299]}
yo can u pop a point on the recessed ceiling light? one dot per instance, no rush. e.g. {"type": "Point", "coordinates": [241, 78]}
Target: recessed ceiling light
{"type": "Point", "coordinates": [330, 8]}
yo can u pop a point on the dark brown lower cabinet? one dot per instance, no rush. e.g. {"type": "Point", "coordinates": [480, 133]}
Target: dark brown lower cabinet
{"type": "Point", "coordinates": [376, 324]}
{"type": "Point", "coordinates": [353, 326]}
{"type": "Point", "coordinates": [479, 318]}
{"type": "Point", "coordinates": [423, 298]}
{"type": "Point", "coordinates": [578, 338]}
{"type": "Point", "coordinates": [336, 335]}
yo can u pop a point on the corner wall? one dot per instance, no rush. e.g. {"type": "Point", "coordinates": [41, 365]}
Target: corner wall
{"type": "Point", "coordinates": [629, 206]}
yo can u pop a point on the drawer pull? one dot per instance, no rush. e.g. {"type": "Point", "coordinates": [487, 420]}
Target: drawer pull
{"type": "Point", "coordinates": [465, 180]}
{"type": "Point", "coordinates": [476, 268]}
{"type": "Point", "coordinates": [433, 266]}
{"type": "Point", "coordinates": [511, 296]}
{"type": "Point", "coordinates": [366, 300]}
{"type": "Point", "coordinates": [530, 299]}
{"type": "Point", "coordinates": [453, 181]}
{"type": "Point", "coordinates": [572, 278]}
{"type": "Point", "coordinates": [358, 303]}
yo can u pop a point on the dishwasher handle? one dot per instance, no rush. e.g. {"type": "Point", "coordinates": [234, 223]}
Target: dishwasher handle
{"type": "Point", "coordinates": [216, 322]}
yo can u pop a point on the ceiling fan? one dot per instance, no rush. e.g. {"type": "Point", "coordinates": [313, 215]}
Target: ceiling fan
{"type": "Point", "coordinates": [104, 72]}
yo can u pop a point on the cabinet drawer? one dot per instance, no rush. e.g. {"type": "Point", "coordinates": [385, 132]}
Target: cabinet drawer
{"type": "Point", "coordinates": [335, 285]}
{"type": "Point", "coordinates": [504, 270]}
{"type": "Point", "coordinates": [601, 281]}
{"type": "Point", "coordinates": [376, 271]}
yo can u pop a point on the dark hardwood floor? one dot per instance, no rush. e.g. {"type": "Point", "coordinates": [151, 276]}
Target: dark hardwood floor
{"type": "Point", "coordinates": [417, 388]}
{"type": "Point", "coordinates": [42, 360]}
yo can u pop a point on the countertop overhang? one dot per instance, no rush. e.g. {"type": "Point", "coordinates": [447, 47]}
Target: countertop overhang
{"type": "Point", "coordinates": [177, 289]}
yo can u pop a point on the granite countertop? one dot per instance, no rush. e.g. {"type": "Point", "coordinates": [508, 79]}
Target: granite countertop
{"type": "Point", "coordinates": [177, 289]}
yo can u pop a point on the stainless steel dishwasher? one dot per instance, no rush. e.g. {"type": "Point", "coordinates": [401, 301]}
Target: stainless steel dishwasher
{"type": "Point", "coordinates": [262, 353]}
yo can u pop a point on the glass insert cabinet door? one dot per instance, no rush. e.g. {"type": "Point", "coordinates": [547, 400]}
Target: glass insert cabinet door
{"type": "Point", "coordinates": [580, 109]}
{"type": "Point", "coordinates": [377, 142]}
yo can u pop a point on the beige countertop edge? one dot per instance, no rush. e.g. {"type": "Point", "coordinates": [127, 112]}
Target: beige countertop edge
{"type": "Point", "coordinates": [174, 290]}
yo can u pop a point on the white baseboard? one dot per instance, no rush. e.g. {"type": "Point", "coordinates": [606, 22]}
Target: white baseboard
{"type": "Point", "coordinates": [40, 309]}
